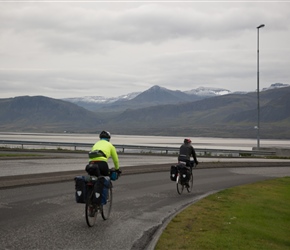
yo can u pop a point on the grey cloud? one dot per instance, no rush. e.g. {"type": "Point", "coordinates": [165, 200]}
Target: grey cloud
{"type": "Point", "coordinates": [146, 23]}
{"type": "Point", "coordinates": [73, 49]}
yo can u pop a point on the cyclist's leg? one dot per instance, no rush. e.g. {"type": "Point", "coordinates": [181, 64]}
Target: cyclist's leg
{"type": "Point", "coordinates": [190, 181]}
{"type": "Point", "coordinates": [188, 175]}
{"type": "Point", "coordinates": [187, 166]}
{"type": "Point", "coordinates": [106, 185]}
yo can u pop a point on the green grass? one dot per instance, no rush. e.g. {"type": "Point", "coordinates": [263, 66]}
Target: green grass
{"type": "Point", "coordinates": [255, 216]}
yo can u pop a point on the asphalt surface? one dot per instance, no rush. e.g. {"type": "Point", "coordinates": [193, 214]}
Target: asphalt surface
{"type": "Point", "coordinates": [38, 211]}
{"type": "Point", "coordinates": [45, 216]}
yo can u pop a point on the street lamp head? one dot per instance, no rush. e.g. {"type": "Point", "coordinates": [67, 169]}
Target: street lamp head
{"type": "Point", "coordinates": [261, 26]}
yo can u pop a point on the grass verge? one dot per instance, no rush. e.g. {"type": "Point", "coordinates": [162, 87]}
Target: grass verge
{"type": "Point", "coordinates": [254, 216]}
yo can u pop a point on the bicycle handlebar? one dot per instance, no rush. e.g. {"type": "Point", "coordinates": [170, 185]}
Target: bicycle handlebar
{"type": "Point", "coordinates": [119, 172]}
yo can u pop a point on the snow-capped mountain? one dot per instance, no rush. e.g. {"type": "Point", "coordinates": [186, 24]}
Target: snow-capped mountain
{"type": "Point", "coordinates": [155, 95]}
{"type": "Point", "coordinates": [201, 91]}
{"type": "Point", "coordinates": [208, 91]}
{"type": "Point", "coordinates": [276, 86]}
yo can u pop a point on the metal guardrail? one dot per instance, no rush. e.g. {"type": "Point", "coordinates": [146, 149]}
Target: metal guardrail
{"type": "Point", "coordinates": [142, 149]}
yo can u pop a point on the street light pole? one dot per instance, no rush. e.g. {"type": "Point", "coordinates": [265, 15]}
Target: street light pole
{"type": "Point", "coordinates": [258, 87]}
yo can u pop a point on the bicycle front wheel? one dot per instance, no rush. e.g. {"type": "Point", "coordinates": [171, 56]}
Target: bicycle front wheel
{"type": "Point", "coordinates": [179, 186]}
{"type": "Point", "coordinates": [106, 209]}
{"type": "Point", "coordinates": [91, 212]}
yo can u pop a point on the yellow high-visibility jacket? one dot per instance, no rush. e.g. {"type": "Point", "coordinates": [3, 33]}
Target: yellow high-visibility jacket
{"type": "Point", "coordinates": [108, 149]}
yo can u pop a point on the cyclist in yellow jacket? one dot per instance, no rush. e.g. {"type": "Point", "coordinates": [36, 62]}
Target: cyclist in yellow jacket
{"type": "Point", "coordinates": [99, 155]}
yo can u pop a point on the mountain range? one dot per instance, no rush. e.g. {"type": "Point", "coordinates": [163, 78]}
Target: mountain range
{"type": "Point", "coordinates": [155, 95]}
{"type": "Point", "coordinates": [156, 111]}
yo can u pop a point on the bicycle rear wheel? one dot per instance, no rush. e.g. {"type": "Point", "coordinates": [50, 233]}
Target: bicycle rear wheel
{"type": "Point", "coordinates": [179, 186]}
{"type": "Point", "coordinates": [106, 209]}
{"type": "Point", "coordinates": [90, 212]}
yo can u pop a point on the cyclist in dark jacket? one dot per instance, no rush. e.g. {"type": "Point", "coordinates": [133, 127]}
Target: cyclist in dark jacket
{"type": "Point", "coordinates": [186, 150]}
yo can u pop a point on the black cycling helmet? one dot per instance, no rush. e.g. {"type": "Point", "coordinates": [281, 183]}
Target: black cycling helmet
{"type": "Point", "coordinates": [105, 135]}
{"type": "Point", "coordinates": [187, 140]}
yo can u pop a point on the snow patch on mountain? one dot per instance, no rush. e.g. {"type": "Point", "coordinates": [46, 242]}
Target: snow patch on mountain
{"type": "Point", "coordinates": [101, 99]}
{"type": "Point", "coordinates": [90, 99]}
{"type": "Point", "coordinates": [208, 91]}
{"type": "Point", "coordinates": [276, 85]}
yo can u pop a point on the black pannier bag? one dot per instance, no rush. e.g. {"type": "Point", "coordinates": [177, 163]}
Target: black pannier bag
{"type": "Point", "coordinates": [184, 174]}
{"type": "Point", "coordinates": [80, 189]}
{"type": "Point", "coordinates": [101, 190]}
{"type": "Point", "coordinates": [173, 173]}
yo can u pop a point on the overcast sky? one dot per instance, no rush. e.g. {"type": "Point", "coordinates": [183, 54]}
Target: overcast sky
{"type": "Point", "coordinates": [65, 49]}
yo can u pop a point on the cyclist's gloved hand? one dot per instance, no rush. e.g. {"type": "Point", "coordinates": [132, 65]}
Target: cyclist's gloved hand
{"type": "Point", "coordinates": [119, 171]}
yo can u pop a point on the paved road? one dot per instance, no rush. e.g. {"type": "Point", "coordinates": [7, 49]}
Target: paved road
{"type": "Point", "coordinates": [46, 216]}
